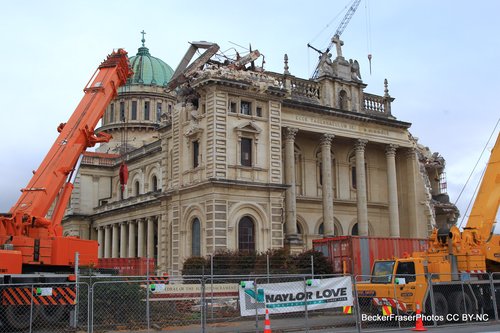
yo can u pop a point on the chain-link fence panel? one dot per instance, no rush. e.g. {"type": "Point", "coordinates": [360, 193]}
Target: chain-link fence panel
{"type": "Point", "coordinates": [377, 304]}
{"type": "Point", "coordinates": [461, 298]}
{"type": "Point", "coordinates": [176, 305]}
{"type": "Point", "coordinates": [391, 301]}
{"type": "Point", "coordinates": [118, 304]}
{"type": "Point", "coordinates": [48, 307]}
{"type": "Point", "coordinates": [222, 306]}
{"type": "Point", "coordinates": [495, 294]}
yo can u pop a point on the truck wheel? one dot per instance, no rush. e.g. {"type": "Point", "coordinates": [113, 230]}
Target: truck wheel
{"type": "Point", "coordinates": [440, 305]}
{"type": "Point", "coordinates": [18, 316]}
{"type": "Point", "coordinates": [461, 303]}
{"type": "Point", "coordinates": [53, 314]}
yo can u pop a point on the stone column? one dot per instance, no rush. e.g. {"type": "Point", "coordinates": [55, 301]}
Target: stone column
{"type": "Point", "coordinates": [100, 241]}
{"type": "Point", "coordinates": [131, 240]}
{"type": "Point", "coordinates": [123, 240]}
{"type": "Point", "coordinates": [151, 238]}
{"type": "Point", "coordinates": [362, 201]}
{"type": "Point", "coordinates": [114, 244]}
{"type": "Point", "coordinates": [140, 238]}
{"type": "Point", "coordinates": [411, 169]}
{"type": "Point", "coordinates": [392, 188]}
{"type": "Point", "coordinates": [327, 184]}
{"type": "Point", "coordinates": [290, 198]}
{"type": "Point", "coordinates": [107, 242]}
{"type": "Point", "coordinates": [159, 263]}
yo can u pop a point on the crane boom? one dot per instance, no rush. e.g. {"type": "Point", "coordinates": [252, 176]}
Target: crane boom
{"type": "Point", "coordinates": [347, 18]}
{"type": "Point", "coordinates": [338, 32]}
{"type": "Point", "coordinates": [26, 228]}
{"type": "Point", "coordinates": [485, 208]}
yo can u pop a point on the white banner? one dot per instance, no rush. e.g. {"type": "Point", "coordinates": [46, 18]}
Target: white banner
{"type": "Point", "coordinates": [293, 296]}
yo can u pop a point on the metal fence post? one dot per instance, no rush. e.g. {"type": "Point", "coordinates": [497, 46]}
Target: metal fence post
{"type": "Point", "coordinates": [463, 294]}
{"type": "Point", "coordinates": [91, 308]}
{"type": "Point", "coordinates": [357, 307]}
{"type": "Point", "coordinates": [493, 296]}
{"type": "Point", "coordinates": [90, 298]}
{"type": "Point", "coordinates": [305, 305]}
{"type": "Point", "coordinates": [396, 301]}
{"type": "Point", "coordinates": [211, 286]}
{"type": "Point", "coordinates": [77, 289]}
{"type": "Point", "coordinates": [256, 307]}
{"type": "Point", "coordinates": [147, 293]}
{"type": "Point", "coordinates": [31, 307]}
{"type": "Point", "coordinates": [204, 307]}
{"type": "Point", "coordinates": [312, 266]}
{"type": "Point", "coordinates": [431, 295]}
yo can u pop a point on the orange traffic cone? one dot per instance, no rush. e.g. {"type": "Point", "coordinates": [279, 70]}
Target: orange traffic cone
{"type": "Point", "coordinates": [267, 323]}
{"type": "Point", "coordinates": [419, 325]}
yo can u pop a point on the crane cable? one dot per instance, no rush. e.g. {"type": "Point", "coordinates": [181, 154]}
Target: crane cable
{"type": "Point", "coordinates": [368, 33]}
{"type": "Point", "coordinates": [472, 172]}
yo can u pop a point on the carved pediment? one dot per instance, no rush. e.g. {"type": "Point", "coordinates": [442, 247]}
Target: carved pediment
{"type": "Point", "coordinates": [248, 127]}
{"type": "Point", "coordinates": [192, 131]}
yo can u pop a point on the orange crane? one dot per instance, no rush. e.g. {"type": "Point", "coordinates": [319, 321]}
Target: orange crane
{"type": "Point", "coordinates": [31, 242]}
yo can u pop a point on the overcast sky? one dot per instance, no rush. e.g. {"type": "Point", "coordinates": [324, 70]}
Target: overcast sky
{"type": "Point", "coordinates": [441, 59]}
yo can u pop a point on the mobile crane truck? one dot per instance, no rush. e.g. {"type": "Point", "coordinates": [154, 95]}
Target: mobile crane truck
{"type": "Point", "coordinates": [32, 247]}
{"type": "Point", "coordinates": [454, 258]}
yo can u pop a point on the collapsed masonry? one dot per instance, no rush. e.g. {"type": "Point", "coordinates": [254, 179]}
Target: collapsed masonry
{"type": "Point", "coordinates": [441, 211]}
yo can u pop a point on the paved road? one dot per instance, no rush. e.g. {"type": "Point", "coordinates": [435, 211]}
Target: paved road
{"type": "Point", "coordinates": [294, 324]}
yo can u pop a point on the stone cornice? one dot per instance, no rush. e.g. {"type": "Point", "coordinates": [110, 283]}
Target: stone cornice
{"type": "Point", "coordinates": [361, 117]}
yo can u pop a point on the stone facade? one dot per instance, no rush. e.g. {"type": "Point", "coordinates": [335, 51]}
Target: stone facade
{"type": "Point", "coordinates": [254, 160]}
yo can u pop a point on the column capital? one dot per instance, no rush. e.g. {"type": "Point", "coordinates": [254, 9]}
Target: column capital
{"type": "Point", "coordinates": [390, 150]}
{"type": "Point", "coordinates": [290, 133]}
{"type": "Point", "coordinates": [410, 153]}
{"type": "Point", "coordinates": [360, 145]}
{"type": "Point", "coordinates": [326, 139]}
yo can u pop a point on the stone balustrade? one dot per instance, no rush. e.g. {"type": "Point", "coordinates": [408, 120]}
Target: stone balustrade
{"type": "Point", "coordinates": [375, 104]}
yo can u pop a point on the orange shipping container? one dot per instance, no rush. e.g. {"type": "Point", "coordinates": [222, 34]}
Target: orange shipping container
{"type": "Point", "coordinates": [128, 266]}
{"type": "Point", "coordinates": [356, 254]}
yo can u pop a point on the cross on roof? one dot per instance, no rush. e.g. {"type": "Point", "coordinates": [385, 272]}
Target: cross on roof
{"type": "Point", "coordinates": [143, 40]}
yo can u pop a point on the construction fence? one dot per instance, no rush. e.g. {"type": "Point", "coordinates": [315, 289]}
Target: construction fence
{"type": "Point", "coordinates": [238, 303]}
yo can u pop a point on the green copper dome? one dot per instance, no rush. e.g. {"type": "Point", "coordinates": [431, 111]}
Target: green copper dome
{"type": "Point", "coordinates": [149, 70]}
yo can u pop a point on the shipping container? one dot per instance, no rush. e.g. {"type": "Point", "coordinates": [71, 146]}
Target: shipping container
{"type": "Point", "coordinates": [128, 266]}
{"type": "Point", "coordinates": [356, 254]}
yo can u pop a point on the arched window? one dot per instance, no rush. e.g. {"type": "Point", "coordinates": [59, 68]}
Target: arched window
{"type": "Point", "coordinates": [354, 230]}
{"type": "Point", "coordinates": [343, 100]}
{"type": "Point", "coordinates": [154, 183]}
{"type": "Point", "coordinates": [137, 188]}
{"type": "Point", "coordinates": [246, 235]}
{"type": "Point", "coordinates": [321, 230]}
{"type": "Point", "coordinates": [352, 167]}
{"type": "Point", "coordinates": [196, 238]}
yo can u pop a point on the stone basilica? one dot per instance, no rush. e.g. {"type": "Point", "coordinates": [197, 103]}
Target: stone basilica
{"type": "Point", "coordinates": [252, 160]}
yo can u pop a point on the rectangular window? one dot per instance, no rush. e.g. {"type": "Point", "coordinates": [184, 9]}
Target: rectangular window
{"type": "Point", "coordinates": [232, 107]}
{"type": "Point", "coordinates": [246, 152]}
{"type": "Point", "coordinates": [112, 113]}
{"type": "Point", "coordinates": [258, 111]}
{"type": "Point", "coordinates": [158, 110]}
{"type": "Point", "coordinates": [134, 110]}
{"type": "Point", "coordinates": [196, 151]}
{"type": "Point", "coordinates": [353, 177]}
{"type": "Point", "coordinates": [146, 110]}
{"type": "Point", "coordinates": [122, 111]}
{"type": "Point", "coordinates": [245, 108]}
